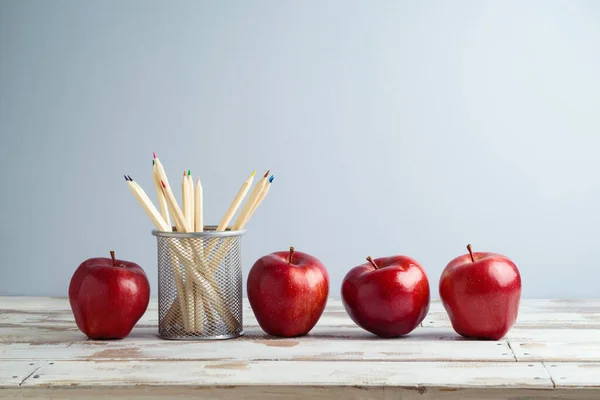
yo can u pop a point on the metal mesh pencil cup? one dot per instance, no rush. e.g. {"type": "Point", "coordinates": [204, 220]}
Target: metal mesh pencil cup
{"type": "Point", "coordinates": [199, 284]}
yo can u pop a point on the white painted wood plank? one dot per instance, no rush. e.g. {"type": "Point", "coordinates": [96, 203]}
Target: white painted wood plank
{"type": "Point", "coordinates": [65, 318]}
{"type": "Point", "coordinates": [286, 373]}
{"type": "Point", "coordinates": [532, 317]}
{"type": "Point", "coordinates": [131, 380]}
{"type": "Point", "coordinates": [41, 335]}
{"type": "Point", "coordinates": [55, 325]}
{"type": "Point", "coordinates": [575, 375]}
{"type": "Point", "coordinates": [67, 333]}
{"type": "Point", "coordinates": [301, 349]}
{"type": "Point", "coordinates": [34, 303]}
{"type": "Point", "coordinates": [12, 373]}
{"type": "Point", "coordinates": [35, 330]}
{"type": "Point", "coordinates": [541, 314]}
{"type": "Point", "coordinates": [557, 351]}
{"type": "Point", "coordinates": [535, 305]}
{"type": "Point", "coordinates": [577, 305]}
{"type": "Point", "coordinates": [330, 318]}
{"type": "Point", "coordinates": [27, 311]}
{"type": "Point", "coordinates": [526, 335]}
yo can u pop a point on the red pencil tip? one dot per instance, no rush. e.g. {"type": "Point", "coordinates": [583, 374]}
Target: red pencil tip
{"type": "Point", "coordinates": [163, 184]}
{"type": "Point", "coordinates": [184, 173]}
{"type": "Point", "coordinates": [154, 154]}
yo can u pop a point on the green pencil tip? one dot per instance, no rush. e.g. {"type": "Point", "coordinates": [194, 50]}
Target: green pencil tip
{"type": "Point", "coordinates": [189, 172]}
{"type": "Point", "coordinates": [152, 162]}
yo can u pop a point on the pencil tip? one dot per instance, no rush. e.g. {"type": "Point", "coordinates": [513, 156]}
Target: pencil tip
{"type": "Point", "coordinates": [131, 180]}
{"type": "Point", "coordinates": [189, 172]}
{"type": "Point", "coordinates": [271, 178]}
{"type": "Point", "coordinates": [154, 154]}
{"type": "Point", "coordinates": [152, 162]}
{"type": "Point", "coordinates": [253, 173]}
{"type": "Point", "coordinates": [267, 173]}
{"type": "Point", "coordinates": [126, 178]}
{"type": "Point", "coordinates": [163, 184]}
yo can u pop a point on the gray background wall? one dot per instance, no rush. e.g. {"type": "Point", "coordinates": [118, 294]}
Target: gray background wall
{"type": "Point", "coordinates": [392, 127]}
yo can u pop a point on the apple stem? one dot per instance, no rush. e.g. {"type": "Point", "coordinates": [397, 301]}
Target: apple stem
{"type": "Point", "coordinates": [471, 252]}
{"type": "Point", "coordinates": [370, 259]}
{"type": "Point", "coordinates": [112, 255]}
{"type": "Point", "coordinates": [291, 254]}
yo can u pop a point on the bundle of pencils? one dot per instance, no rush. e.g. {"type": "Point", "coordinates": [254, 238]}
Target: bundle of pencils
{"type": "Point", "coordinates": [194, 265]}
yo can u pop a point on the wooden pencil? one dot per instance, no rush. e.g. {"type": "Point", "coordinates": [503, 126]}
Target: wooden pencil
{"type": "Point", "coordinates": [191, 201]}
{"type": "Point", "coordinates": [256, 204]}
{"type": "Point", "coordinates": [147, 205]}
{"type": "Point", "coordinates": [185, 204]}
{"type": "Point", "coordinates": [182, 294]}
{"type": "Point", "coordinates": [161, 170]}
{"type": "Point", "coordinates": [249, 204]}
{"type": "Point", "coordinates": [218, 257]}
{"type": "Point", "coordinates": [162, 201]}
{"type": "Point", "coordinates": [194, 302]}
{"type": "Point", "coordinates": [180, 222]}
{"type": "Point", "coordinates": [235, 204]}
{"type": "Point", "coordinates": [198, 207]}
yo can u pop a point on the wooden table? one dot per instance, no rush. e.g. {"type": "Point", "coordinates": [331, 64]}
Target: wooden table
{"type": "Point", "coordinates": [552, 353]}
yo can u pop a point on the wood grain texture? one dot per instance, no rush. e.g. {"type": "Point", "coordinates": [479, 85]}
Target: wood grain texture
{"type": "Point", "coordinates": [557, 351]}
{"type": "Point", "coordinates": [14, 373]}
{"type": "Point", "coordinates": [538, 314]}
{"type": "Point", "coordinates": [553, 352]}
{"type": "Point", "coordinates": [276, 373]}
{"type": "Point", "coordinates": [575, 375]}
{"type": "Point", "coordinates": [256, 349]}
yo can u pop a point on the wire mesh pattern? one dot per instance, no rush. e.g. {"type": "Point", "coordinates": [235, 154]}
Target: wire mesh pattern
{"type": "Point", "coordinates": [199, 285]}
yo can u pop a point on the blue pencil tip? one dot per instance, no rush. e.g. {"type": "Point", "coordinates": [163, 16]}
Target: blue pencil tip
{"type": "Point", "coordinates": [271, 178]}
{"type": "Point", "coordinates": [126, 177]}
{"type": "Point", "coordinates": [130, 178]}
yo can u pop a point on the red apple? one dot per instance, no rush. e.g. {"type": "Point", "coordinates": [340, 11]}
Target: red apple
{"type": "Point", "coordinates": [288, 292]}
{"type": "Point", "coordinates": [387, 296]}
{"type": "Point", "coordinates": [108, 297]}
{"type": "Point", "coordinates": [481, 294]}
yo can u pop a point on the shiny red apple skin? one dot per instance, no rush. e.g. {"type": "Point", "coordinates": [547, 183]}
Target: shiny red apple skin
{"type": "Point", "coordinates": [107, 301]}
{"type": "Point", "coordinates": [287, 298]}
{"type": "Point", "coordinates": [389, 301]}
{"type": "Point", "coordinates": [482, 297]}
